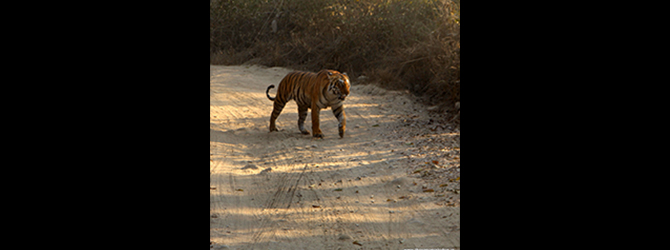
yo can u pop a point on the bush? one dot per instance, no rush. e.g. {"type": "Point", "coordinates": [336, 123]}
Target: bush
{"type": "Point", "coordinates": [400, 44]}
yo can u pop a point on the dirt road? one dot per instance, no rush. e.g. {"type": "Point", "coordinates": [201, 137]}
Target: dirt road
{"type": "Point", "coordinates": [392, 182]}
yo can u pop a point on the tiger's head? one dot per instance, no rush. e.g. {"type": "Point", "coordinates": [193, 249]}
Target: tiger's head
{"type": "Point", "coordinates": [338, 84]}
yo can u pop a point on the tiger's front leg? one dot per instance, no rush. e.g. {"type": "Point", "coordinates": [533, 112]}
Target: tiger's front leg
{"type": "Point", "coordinates": [302, 114]}
{"type": "Point", "coordinates": [316, 131]}
{"type": "Point", "coordinates": [341, 118]}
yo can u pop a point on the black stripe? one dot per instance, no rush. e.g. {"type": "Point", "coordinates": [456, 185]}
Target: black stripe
{"type": "Point", "coordinates": [298, 98]}
{"type": "Point", "coordinates": [338, 112]}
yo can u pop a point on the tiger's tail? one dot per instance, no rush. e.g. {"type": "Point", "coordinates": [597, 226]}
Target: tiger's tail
{"type": "Point", "coordinates": [267, 92]}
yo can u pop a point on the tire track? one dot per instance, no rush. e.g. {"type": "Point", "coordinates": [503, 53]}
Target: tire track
{"type": "Point", "coordinates": [282, 198]}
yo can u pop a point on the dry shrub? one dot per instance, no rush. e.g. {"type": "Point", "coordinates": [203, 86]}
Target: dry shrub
{"type": "Point", "coordinates": [400, 44]}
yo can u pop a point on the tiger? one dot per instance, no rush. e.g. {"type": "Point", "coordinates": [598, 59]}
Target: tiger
{"type": "Point", "coordinates": [315, 91]}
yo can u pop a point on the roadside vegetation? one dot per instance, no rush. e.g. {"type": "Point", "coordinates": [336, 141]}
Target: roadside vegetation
{"type": "Point", "coordinates": [411, 45]}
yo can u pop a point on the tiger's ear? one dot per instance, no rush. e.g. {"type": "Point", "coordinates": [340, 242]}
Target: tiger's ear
{"type": "Point", "coordinates": [345, 73]}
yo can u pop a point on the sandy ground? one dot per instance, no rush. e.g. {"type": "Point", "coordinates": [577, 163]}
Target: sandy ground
{"type": "Point", "coordinates": [392, 182]}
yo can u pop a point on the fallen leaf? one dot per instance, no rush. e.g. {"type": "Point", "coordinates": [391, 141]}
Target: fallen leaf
{"type": "Point", "coordinates": [338, 189]}
{"type": "Point", "coordinates": [316, 206]}
{"type": "Point", "coordinates": [428, 190]}
{"type": "Point", "coordinates": [356, 242]}
{"type": "Point", "coordinates": [444, 185]}
{"type": "Point", "coordinates": [376, 125]}
{"type": "Point", "coordinates": [239, 189]}
{"type": "Point", "coordinates": [435, 162]}
{"type": "Point", "coordinates": [418, 171]}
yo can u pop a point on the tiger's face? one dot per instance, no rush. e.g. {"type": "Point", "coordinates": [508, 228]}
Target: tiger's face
{"type": "Point", "coordinates": [339, 84]}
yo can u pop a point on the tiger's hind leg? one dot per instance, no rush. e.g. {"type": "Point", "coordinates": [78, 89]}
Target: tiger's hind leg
{"type": "Point", "coordinates": [302, 114]}
{"type": "Point", "coordinates": [276, 110]}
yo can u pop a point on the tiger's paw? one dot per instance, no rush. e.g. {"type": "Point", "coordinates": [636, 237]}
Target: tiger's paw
{"type": "Point", "coordinates": [304, 132]}
{"type": "Point", "coordinates": [318, 135]}
{"type": "Point", "coordinates": [273, 129]}
{"type": "Point", "coordinates": [341, 134]}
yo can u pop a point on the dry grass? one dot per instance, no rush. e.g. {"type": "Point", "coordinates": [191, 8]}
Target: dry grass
{"type": "Point", "coordinates": [400, 44]}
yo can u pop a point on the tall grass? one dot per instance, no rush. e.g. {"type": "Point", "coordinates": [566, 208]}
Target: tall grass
{"type": "Point", "coordinates": [401, 44]}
